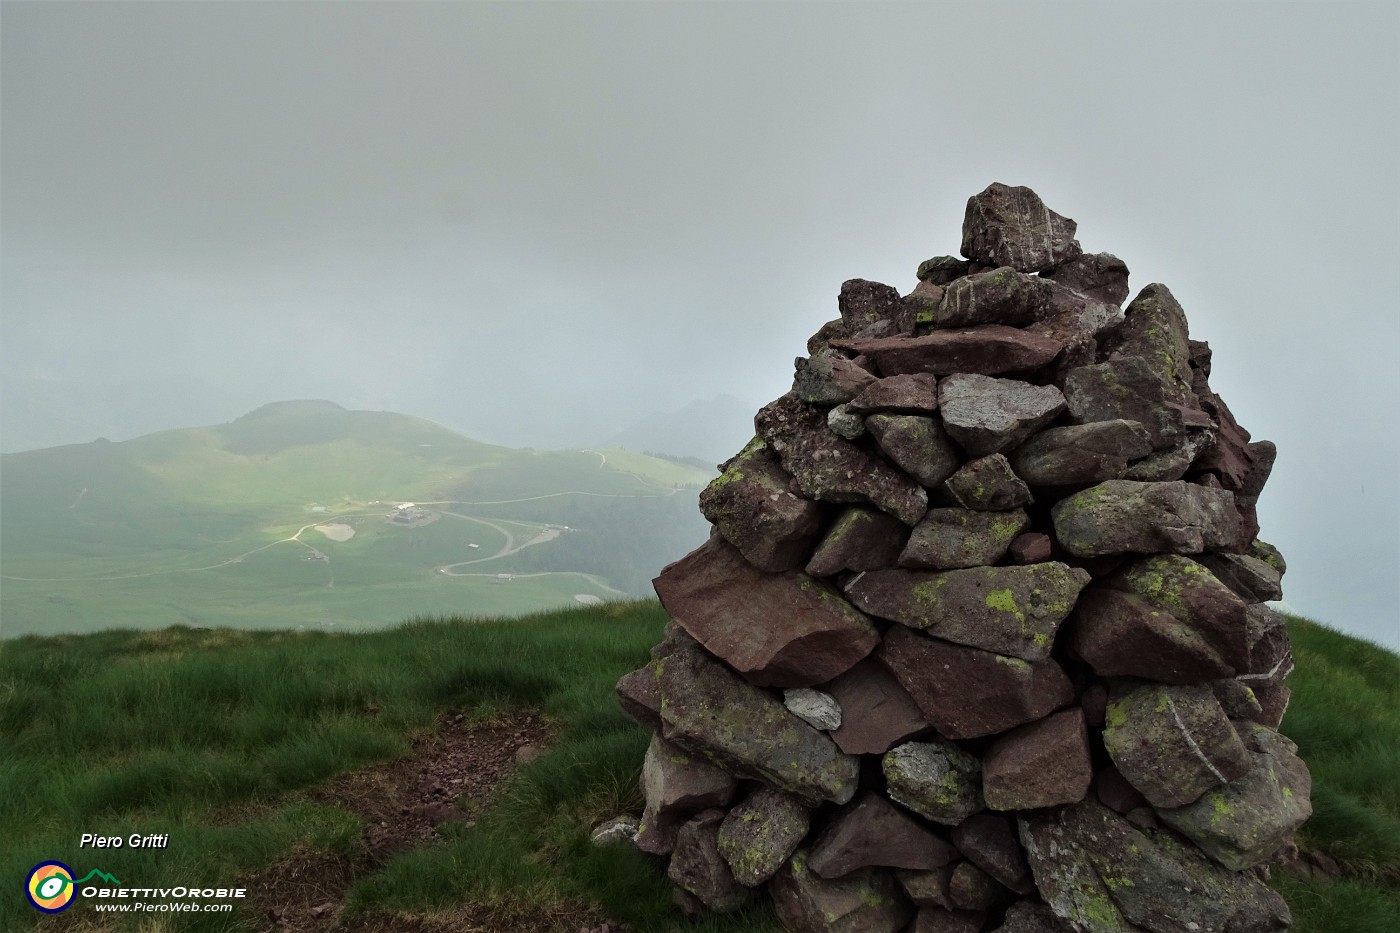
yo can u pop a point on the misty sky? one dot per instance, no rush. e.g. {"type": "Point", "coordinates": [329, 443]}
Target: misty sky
{"type": "Point", "coordinates": [538, 223]}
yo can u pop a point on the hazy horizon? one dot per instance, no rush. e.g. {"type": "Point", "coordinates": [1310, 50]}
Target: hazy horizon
{"type": "Point", "coordinates": [542, 224]}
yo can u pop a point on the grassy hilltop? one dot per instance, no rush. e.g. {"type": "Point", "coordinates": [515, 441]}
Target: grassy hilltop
{"type": "Point", "coordinates": [229, 741]}
{"type": "Point", "coordinates": [245, 525]}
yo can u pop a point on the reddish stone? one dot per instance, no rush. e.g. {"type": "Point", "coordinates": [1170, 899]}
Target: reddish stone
{"type": "Point", "coordinates": [939, 920]}
{"type": "Point", "coordinates": [1010, 226]}
{"type": "Point", "coordinates": [866, 901]}
{"type": "Point", "coordinates": [1031, 548]}
{"type": "Point", "coordinates": [967, 692]}
{"type": "Point", "coordinates": [990, 350]}
{"type": "Point", "coordinates": [1099, 276]}
{"type": "Point", "coordinates": [1002, 296]}
{"type": "Point", "coordinates": [831, 469]}
{"type": "Point", "coordinates": [876, 712]}
{"type": "Point", "coordinates": [1011, 610]}
{"type": "Point", "coordinates": [860, 539]}
{"type": "Point", "coordinates": [1164, 618]}
{"type": "Point", "coordinates": [1125, 388]}
{"type": "Point", "coordinates": [781, 630]}
{"type": "Point", "coordinates": [988, 840]}
{"type": "Point", "coordinates": [917, 444]}
{"type": "Point", "coordinates": [639, 695]}
{"type": "Point", "coordinates": [1043, 764]}
{"type": "Point", "coordinates": [987, 415]}
{"type": "Point", "coordinates": [1115, 792]}
{"type": "Point", "coordinates": [1273, 700]}
{"type": "Point", "coordinates": [952, 539]}
{"type": "Point", "coordinates": [1173, 743]}
{"type": "Point", "coordinates": [751, 506]}
{"type": "Point", "coordinates": [698, 868]}
{"type": "Point", "coordinates": [909, 394]}
{"type": "Point", "coordinates": [970, 888]}
{"type": "Point", "coordinates": [828, 378]}
{"type": "Point", "coordinates": [871, 831]}
{"type": "Point", "coordinates": [709, 710]}
{"type": "Point", "coordinates": [873, 308]}
{"type": "Point", "coordinates": [988, 484]}
{"type": "Point", "coordinates": [1032, 917]}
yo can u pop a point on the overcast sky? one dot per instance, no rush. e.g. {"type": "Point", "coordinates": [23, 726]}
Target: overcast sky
{"type": "Point", "coordinates": [537, 223]}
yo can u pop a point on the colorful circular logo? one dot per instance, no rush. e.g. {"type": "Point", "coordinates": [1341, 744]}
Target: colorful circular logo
{"type": "Point", "coordinates": [50, 887]}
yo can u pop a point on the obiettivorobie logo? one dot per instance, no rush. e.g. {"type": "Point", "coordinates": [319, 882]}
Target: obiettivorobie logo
{"type": "Point", "coordinates": [51, 886]}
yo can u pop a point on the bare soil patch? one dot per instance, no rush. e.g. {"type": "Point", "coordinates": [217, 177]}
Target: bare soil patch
{"type": "Point", "coordinates": [336, 531]}
{"type": "Point", "coordinates": [450, 776]}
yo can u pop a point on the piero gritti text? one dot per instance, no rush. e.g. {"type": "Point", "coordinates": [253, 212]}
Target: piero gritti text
{"type": "Point", "coordinates": [134, 841]}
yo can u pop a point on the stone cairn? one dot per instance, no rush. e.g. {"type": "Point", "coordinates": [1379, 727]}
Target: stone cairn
{"type": "Point", "coordinates": [979, 641]}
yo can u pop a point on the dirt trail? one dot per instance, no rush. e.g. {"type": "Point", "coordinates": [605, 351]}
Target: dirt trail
{"type": "Point", "coordinates": [451, 776]}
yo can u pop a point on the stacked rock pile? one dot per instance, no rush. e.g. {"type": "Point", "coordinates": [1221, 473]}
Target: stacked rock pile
{"type": "Point", "coordinates": [979, 640]}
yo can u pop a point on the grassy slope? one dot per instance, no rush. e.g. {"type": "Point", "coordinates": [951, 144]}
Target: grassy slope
{"type": "Point", "coordinates": [212, 735]}
{"type": "Point", "coordinates": [126, 534]}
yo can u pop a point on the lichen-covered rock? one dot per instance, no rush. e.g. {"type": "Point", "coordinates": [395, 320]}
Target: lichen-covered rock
{"type": "Point", "coordinates": [1173, 743]}
{"type": "Point", "coordinates": [992, 416]}
{"type": "Point", "coordinates": [935, 779]}
{"type": "Point", "coordinates": [1001, 296]}
{"type": "Point", "coordinates": [1250, 578]}
{"type": "Point", "coordinates": [1081, 453]}
{"type": "Point", "coordinates": [991, 349]}
{"type": "Point", "coordinates": [917, 444]}
{"type": "Point", "coordinates": [859, 539]}
{"type": "Point", "coordinates": [876, 712]}
{"type": "Point", "coordinates": [1125, 388]}
{"type": "Point", "coordinates": [1011, 226]}
{"type": "Point", "coordinates": [909, 394]}
{"type": "Point", "coordinates": [976, 692]}
{"type": "Point", "coordinates": [845, 423]}
{"type": "Point", "coordinates": [831, 469]}
{"type": "Point", "coordinates": [951, 539]}
{"type": "Point", "coordinates": [1154, 329]}
{"type": "Point", "coordinates": [871, 831]}
{"type": "Point", "coordinates": [1122, 516]}
{"type": "Point", "coordinates": [639, 695]}
{"type": "Point", "coordinates": [1040, 764]}
{"type": "Point", "coordinates": [676, 782]}
{"type": "Point", "coordinates": [1098, 276]}
{"type": "Point", "coordinates": [827, 378]}
{"type": "Point", "coordinates": [760, 834]}
{"type": "Point", "coordinates": [1244, 822]}
{"type": "Point", "coordinates": [751, 506]}
{"type": "Point", "coordinates": [784, 630]}
{"type": "Point", "coordinates": [1162, 618]}
{"type": "Point", "coordinates": [988, 840]}
{"type": "Point", "coordinates": [698, 868]}
{"type": "Point", "coordinates": [1009, 610]}
{"type": "Point", "coordinates": [745, 730]}
{"type": "Point", "coordinates": [866, 901]}
{"type": "Point", "coordinates": [988, 484]}
{"type": "Point", "coordinates": [818, 710]}
{"type": "Point", "coordinates": [1103, 875]}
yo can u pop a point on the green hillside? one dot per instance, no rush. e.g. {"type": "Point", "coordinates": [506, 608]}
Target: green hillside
{"type": "Point", "coordinates": [231, 741]}
{"type": "Point", "coordinates": [282, 518]}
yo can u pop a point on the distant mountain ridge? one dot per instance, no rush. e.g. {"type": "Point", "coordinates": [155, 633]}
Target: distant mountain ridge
{"type": "Point", "coordinates": [217, 523]}
{"type": "Point", "coordinates": [711, 429]}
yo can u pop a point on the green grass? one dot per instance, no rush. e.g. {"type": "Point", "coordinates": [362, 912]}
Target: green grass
{"type": "Point", "coordinates": [216, 737]}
